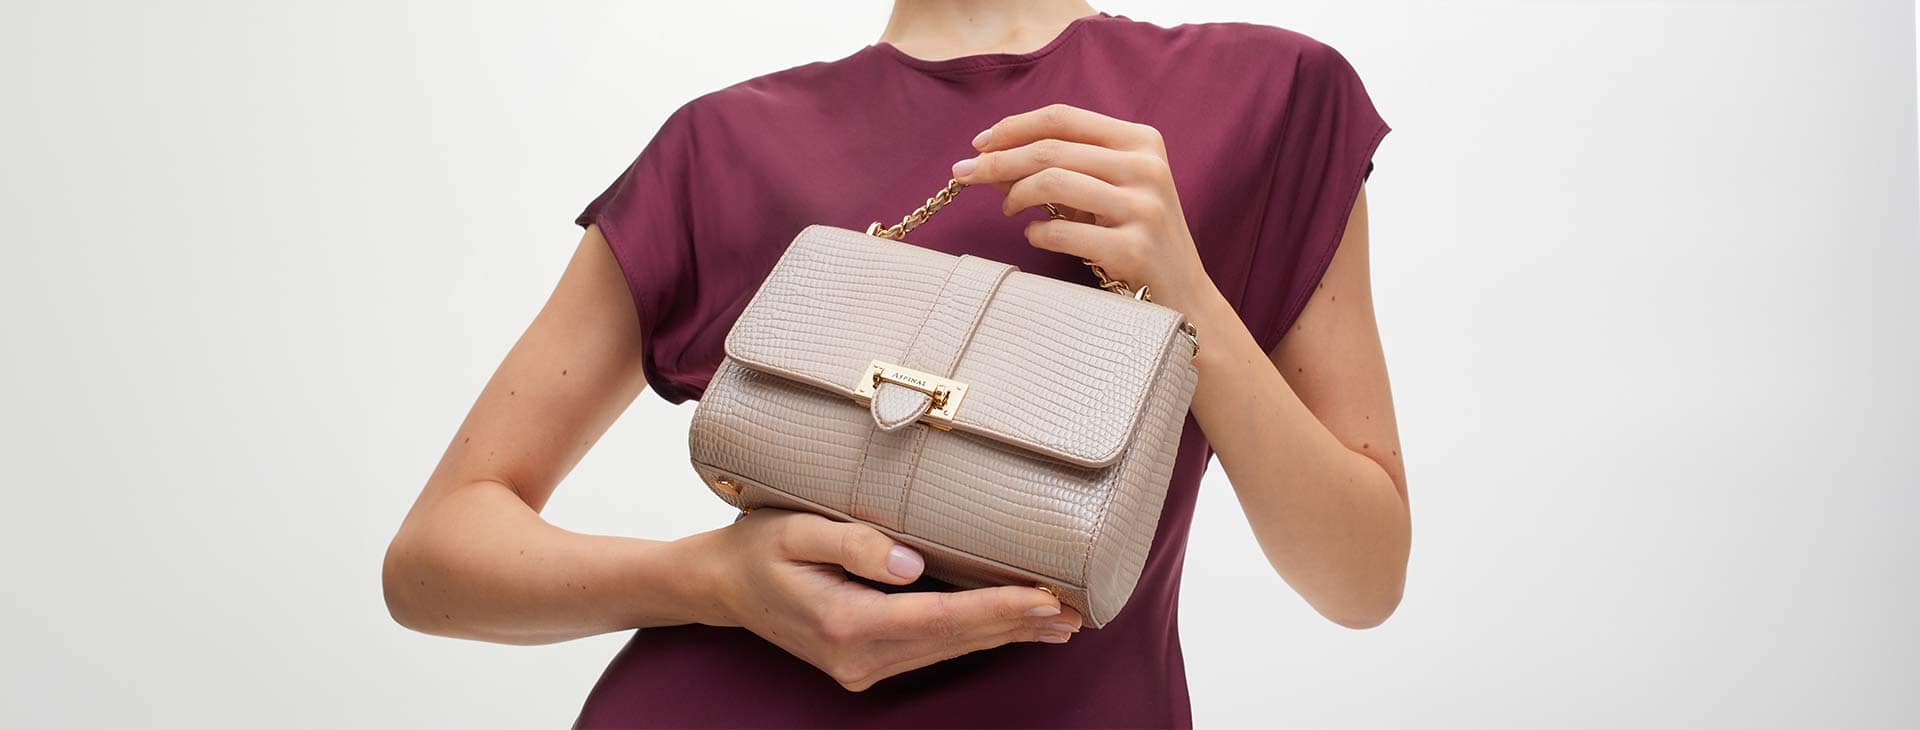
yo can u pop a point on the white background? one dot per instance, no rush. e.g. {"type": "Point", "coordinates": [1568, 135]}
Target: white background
{"type": "Point", "coordinates": [1645, 275]}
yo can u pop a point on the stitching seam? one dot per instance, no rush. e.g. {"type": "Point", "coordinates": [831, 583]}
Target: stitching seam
{"type": "Point", "coordinates": [913, 471]}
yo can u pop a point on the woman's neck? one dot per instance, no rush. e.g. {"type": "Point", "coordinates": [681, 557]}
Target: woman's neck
{"type": "Point", "coordinates": [940, 29]}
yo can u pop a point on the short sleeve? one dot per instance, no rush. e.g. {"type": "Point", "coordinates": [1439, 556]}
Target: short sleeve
{"type": "Point", "coordinates": [646, 216]}
{"type": "Point", "coordinates": [1323, 152]}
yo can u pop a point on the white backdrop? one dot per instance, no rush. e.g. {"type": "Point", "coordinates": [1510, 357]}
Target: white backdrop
{"type": "Point", "coordinates": [1644, 274]}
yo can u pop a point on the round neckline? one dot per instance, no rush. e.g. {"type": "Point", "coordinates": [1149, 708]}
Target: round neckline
{"type": "Point", "coordinates": [984, 61]}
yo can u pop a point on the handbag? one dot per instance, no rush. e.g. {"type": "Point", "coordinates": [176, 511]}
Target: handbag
{"type": "Point", "coordinates": [1015, 429]}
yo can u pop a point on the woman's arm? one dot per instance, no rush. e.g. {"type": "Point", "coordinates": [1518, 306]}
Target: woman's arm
{"type": "Point", "coordinates": [1313, 455]}
{"type": "Point", "coordinates": [473, 558]}
{"type": "Point", "coordinates": [1307, 436]}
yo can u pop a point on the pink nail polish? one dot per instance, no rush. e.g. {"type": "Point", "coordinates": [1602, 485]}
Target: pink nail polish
{"type": "Point", "coordinates": [980, 140]}
{"type": "Point", "coordinates": [1043, 610]}
{"type": "Point", "coordinates": [1061, 628]}
{"type": "Point", "coordinates": [964, 167]}
{"type": "Point", "coordinates": [1054, 638]}
{"type": "Point", "coordinates": [905, 563]}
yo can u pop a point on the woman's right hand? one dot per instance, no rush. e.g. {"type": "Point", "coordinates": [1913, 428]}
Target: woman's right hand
{"type": "Point", "coordinates": [783, 576]}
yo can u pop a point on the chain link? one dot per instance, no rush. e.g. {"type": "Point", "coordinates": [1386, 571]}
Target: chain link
{"type": "Point", "coordinates": [898, 231]}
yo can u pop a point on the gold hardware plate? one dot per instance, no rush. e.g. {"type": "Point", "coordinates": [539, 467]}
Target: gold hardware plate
{"type": "Point", "coordinates": [945, 392]}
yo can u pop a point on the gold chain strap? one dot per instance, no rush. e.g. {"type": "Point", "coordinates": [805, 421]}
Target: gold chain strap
{"type": "Point", "coordinates": [898, 232]}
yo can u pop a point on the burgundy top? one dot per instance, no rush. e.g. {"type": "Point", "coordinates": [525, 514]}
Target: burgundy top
{"type": "Point", "coordinates": [1270, 135]}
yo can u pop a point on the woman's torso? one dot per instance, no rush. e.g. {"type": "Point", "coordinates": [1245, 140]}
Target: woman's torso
{"type": "Point", "coordinates": [706, 210]}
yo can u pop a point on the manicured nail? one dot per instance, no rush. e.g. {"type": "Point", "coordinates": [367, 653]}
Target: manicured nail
{"type": "Point", "coordinates": [1044, 610]}
{"type": "Point", "coordinates": [1063, 628]}
{"type": "Point", "coordinates": [905, 563]}
{"type": "Point", "coordinates": [980, 140]}
{"type": "Point", "coordinates": [963, 167]}
{"type": "Point", "coordinates": [1054, 638]}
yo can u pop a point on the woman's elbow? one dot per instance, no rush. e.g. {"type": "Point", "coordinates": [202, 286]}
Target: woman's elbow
{"type": "Point", "coordinates": [402, 578]}
{"type": "Point", "coordinates": [1368, 602]}
{"type": "Point", "coordinates": [1374, 579]}
{"type": "Point", "coordinates": [1364, 613]}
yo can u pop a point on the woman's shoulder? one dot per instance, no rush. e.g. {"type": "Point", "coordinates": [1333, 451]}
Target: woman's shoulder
{"type": "Point", "coordinates": [783, 89]}
{"type": "Point", "coordinates": [1247, 45]}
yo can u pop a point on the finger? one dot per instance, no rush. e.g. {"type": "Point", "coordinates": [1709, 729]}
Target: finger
{"type": "Point", "coordinates": [1076, 189]}
{"type": "Point", "coordinates": [908, 655]}
{"type": "Point", "coordinates": [862, 550]}
{"type": "Point", "coordinates": [1086, 240]}
{"type": "Point", "coordinates": [1065, 211]}
{"type": "Point", "coordinates": [1119, 167]}
{"type": "Point", "coordinates": [1068, 618]}
{"type": "Point", "coordinates": [1071, 123]}
{"type": "Point", "coordinates": [960, 615]}
{"type": "Point", "coordinates": [970, 615]}
{"type": "Point", "coordinates": [1069, 213]}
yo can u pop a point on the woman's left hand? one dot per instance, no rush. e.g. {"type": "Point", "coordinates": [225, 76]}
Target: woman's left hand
{"type": "Point", "coordinates": [1111, 180]}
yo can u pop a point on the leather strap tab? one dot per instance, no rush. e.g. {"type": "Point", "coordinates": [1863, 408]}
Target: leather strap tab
{"type": "Point", "coordinates": [887, 467]}
{"type": "Point", "coordinates": [942, 338]}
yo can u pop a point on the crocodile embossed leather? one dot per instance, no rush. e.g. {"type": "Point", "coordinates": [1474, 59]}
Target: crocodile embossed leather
{"type": "Point", "coordinates": [1015, 429]}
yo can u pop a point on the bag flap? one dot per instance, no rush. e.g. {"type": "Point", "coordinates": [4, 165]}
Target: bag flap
{"type": "Point", "coordinates": [1052, 367]}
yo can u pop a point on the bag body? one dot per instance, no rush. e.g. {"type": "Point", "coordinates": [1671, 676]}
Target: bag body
{"type": "Point", "coordinates": [1015, 429]}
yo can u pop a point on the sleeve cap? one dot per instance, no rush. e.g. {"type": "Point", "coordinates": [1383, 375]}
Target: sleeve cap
{"type": "Point", "coordinates": [1323, 154]}
{"type": "Point", "coordinates": [646, 215]}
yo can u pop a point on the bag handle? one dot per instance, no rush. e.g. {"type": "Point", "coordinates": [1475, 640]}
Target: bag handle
{"type": "Point", "coordinates": [898, 232]}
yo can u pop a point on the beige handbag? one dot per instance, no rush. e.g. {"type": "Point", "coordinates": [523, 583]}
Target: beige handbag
{"type": "Point", "coordinates": [1013, 428]}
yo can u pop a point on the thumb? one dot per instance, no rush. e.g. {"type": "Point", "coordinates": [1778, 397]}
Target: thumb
{"type": "Point", "coordinates": [862, 550]}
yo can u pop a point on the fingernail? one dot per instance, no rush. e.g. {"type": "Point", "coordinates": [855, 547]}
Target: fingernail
{"type": "Point", "coordinates": [980, 140]}
{"type": "Point", "coordinates": [1063, 628]}
{"type": "Point", "coordinates": [1054, 638]}
{"type": "Point", "coordinates": [1044, 610]}
{"type": "Point", "coordinates": [963, 167]}
{"type": "Point", "coordinates": [905, 563]}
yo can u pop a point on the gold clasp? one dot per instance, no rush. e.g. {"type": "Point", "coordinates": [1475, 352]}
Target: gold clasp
{"type": "Point", "coordinates": [945, 392]}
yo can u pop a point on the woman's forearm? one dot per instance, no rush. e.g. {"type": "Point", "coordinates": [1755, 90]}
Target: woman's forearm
{"type": "Point", "coordinates": [1331, 521]}
{"type": "Point", "coordinates": [476, 562]}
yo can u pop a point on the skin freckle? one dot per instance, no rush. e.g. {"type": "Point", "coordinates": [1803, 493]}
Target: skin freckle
{"type": "Point", "coordinates": [1366, 446]}
{"type": "Point", "coordinates": [563, 373]}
